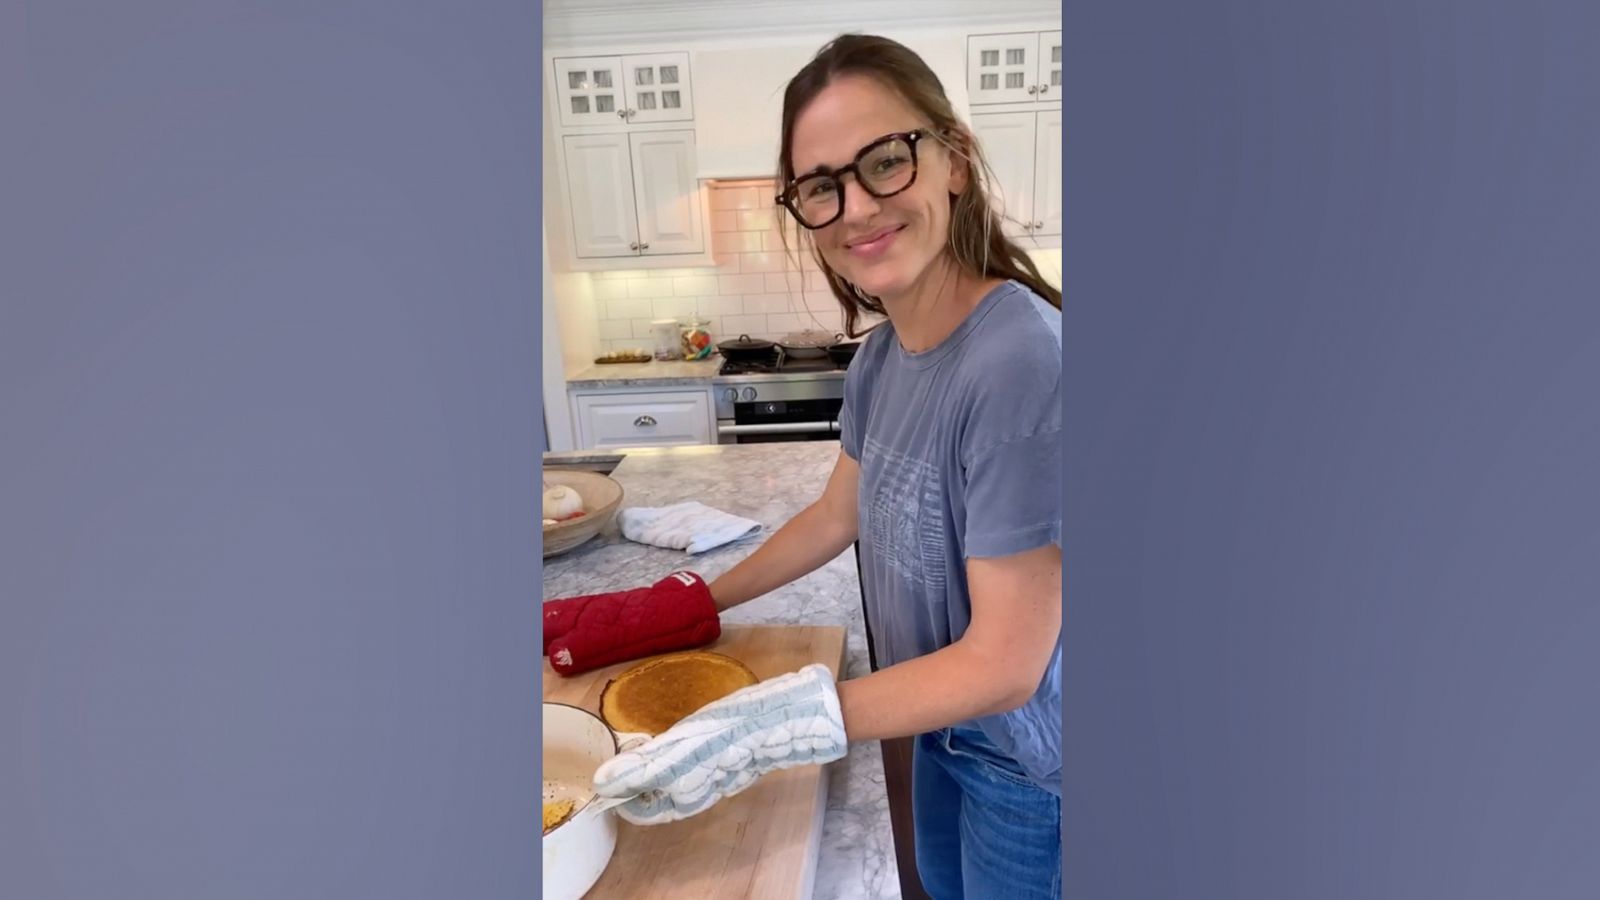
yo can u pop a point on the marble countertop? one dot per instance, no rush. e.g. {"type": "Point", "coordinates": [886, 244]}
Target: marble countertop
{"type": "Point", "coordinates": [769, 483]}
{"type": "Point", "coordinates": [653, 373]}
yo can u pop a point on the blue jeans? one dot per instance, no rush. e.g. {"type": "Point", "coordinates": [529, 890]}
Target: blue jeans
{"type": "Point", "coordinates": [983, 831]}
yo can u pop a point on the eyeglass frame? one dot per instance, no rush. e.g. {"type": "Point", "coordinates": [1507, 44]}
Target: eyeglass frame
{"type": "Point", "coordinates": [911, 138]}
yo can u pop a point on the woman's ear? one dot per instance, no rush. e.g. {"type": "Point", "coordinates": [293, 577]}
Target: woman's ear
{"type": "Point", "coordinates": [957, 145]}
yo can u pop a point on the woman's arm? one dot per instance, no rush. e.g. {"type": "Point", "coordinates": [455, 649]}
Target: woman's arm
{"type": "Point", "coordinates": [819, 533]}
{"type": "Point", "coordinates": [993, 668]}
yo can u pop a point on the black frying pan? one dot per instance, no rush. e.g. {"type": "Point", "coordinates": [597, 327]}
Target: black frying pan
{"type": "Point", "coordinates": [746, 349]}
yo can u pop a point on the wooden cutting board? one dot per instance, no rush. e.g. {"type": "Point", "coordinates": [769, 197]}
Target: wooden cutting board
{"type": "Point", "coordinates": [761, 844]}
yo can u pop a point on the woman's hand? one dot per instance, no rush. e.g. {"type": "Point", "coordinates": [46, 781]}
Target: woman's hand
{"type": "Point", "coordinates": [721, 749]}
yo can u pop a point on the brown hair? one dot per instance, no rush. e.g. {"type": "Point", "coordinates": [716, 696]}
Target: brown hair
{"type": "Point", "coordinates": [977, 242]}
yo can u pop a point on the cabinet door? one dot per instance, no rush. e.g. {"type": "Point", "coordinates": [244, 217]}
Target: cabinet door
{"type": "Point", "coordinates": [666, 192]}
{"type": "Point", "coordinates": [658, 87]}
{"type": "Point", "coordinates": [589, 90]}
{"type": "Point", "coordinates": [1007, 141]}
{"type": "Point", "coordinates": [600, 188]}
{"type": "Point", "coordinates": [1050, 65]}
{"type": "Point", "coordinates": [1001, 68]}
{"type": "Point", "coordinates": [656, 419]}
{"type": "Point", "coordinates": [1047, 174]}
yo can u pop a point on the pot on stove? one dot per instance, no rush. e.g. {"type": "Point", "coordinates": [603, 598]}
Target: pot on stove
{"type": "Point", "coordinates": [747, 349]}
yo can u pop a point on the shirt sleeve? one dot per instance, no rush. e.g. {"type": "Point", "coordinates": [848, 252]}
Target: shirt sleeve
{"type": "Point", "coordinates": [1013, 458]}
{"type": "Point", "coordinates": [1014, 496]}
{"type": "Point", "coordinates": [850, 413]}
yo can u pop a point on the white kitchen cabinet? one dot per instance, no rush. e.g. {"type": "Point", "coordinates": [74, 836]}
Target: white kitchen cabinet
{"type": "Point", "coordinates": [1047, 175]}
{"type": "Point", "coordinates": [658, 88]}
{"type": "Point", "coordinates": [633, 194]}
{"type": "Point", "coordinates": [644, 418]}
{"type": "Point", "coordinates": [623, 90]}
{"type": "Point", "coordinates": [666, 193]}
{"type": "Point", "coordinates": [1018, 67]}
{"type": "Point", "coordinates": [600, 184]}
{"type": "Point", "coordinates": [1008, 141]}
{"type": "Point", "coordinates": [1049, 65]}
{"type": "Point", "coordinates": [1024, 150]}
{"type": "Point", "coordinates": [589, 90]}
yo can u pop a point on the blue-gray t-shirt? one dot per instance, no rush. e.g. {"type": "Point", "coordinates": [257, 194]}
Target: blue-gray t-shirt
{"type": "Point", "coordinates": [960, 455]}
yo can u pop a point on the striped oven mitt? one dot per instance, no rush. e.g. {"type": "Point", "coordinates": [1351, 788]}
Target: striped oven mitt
{"type": "Point", "coordinates": [722, 748]}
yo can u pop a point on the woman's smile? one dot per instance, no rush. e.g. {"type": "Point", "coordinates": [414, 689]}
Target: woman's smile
{"type": "Point", "coordinates": [873, 244]}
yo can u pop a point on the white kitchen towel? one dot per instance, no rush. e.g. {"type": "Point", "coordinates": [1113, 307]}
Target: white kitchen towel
{"type": "Point", "coordinates": [691, 526]}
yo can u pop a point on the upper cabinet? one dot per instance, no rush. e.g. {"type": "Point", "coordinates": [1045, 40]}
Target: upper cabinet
{"type": "Point", "coordinates": [658, 88]}
{"type": "Point", "coordinates": [623, 90]}
{"type": "Point", "coordinates": [1019, 67]}
{"type": "Point", "coordinates": [1024, 151]}
{"type": "Point", "coordinates": [627, 160]}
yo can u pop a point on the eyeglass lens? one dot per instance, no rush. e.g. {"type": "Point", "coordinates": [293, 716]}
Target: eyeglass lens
{"type": "Point", "coordinates": [884, 169]}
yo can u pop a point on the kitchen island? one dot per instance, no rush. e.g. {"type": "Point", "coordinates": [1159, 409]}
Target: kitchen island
{"type": "Point", "coordinates": [769, 483]}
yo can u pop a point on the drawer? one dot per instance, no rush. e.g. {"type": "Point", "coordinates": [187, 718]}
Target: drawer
{"type": "Point", "coordinates": [654, 419]}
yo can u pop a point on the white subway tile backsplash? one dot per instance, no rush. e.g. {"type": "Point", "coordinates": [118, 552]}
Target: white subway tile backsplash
{"type": "Point", "coordinates": [820, 300]}
{"type": "Point", "coordinates": [630, 308]}
{"type": "Point", "coordinates": [637, 273]}
{"type": "Point", "coordinates": [775, 242]}
{"type": "Point", "coordinates": [719, 306]}
{"type": "Point", "coordinates": [673, 307]}
{"type": "Point", "coordinates": [724, 220]}
{"type": "Point", "coordinates": [741, 284]}
{"type": "Point", "coordinates": [737, 198]}
{"type": "Point", "coordinates": [736, 242]}
{"type": "Point", "coordinates": [784, 282]}
{"type": "Point", "coordinates": [816, 281]}
{"type": "Point", "coordinates": [733, 326]}
{"type": "Point", "coordinates": [831, 320]}
{"type": "Point", "coordinates": [614, 329]}
{"type": "Point", "coordinates": [770, 303]}
{"type": "Point", "coordinates": [760, 262]}
{"type": "Point", "coordinates": [757, 219]}
{"type": "Point", "coordinates": [694, 285]}
{"type": "Point", "coordinates": [783, 323]}
{"type": "Point", "coordinates": [649, 287]}
{"type": "Point", "coordinates": [610, 275]}
{"type": "Point", "coordinates": [610, 289]}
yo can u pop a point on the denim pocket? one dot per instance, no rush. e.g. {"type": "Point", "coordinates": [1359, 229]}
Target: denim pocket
{"type": "Point", "coordinates": [977, 748]}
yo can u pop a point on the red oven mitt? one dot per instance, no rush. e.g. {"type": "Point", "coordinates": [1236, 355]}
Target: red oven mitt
{"type": "Point", "coordinates": [597, 630]}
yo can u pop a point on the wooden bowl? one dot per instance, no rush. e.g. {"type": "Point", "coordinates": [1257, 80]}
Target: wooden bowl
{"type": "Point", "coordinates": [601, 494]}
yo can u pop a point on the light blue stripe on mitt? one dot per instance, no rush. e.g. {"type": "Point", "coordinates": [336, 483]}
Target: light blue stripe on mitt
{"type": "Point", "coordinates": [722, 748]}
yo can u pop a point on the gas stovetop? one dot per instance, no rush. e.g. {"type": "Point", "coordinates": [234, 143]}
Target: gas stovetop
{"type": "Point", "coordinates": [779, 367]}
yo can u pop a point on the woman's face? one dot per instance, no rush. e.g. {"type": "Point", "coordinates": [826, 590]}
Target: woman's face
{"type": "Point", "coordinates": [881, 245]}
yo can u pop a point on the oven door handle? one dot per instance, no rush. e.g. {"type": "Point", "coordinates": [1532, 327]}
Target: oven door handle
{"type": "Point", "coordinates": [779, 428]}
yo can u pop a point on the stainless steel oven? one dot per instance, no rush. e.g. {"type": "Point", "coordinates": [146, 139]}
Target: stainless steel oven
{"type": "Point", "coordinates": [784, 403]}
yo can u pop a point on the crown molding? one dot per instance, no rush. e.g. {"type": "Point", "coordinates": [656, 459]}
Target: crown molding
{"type": "Point", "coordinates": [582, 23]}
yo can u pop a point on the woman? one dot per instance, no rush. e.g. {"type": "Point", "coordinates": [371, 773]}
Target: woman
{"type": "Point", "coordinates": [948, 477]}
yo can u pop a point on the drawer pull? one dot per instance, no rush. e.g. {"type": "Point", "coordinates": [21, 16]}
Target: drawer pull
{"type": "Point", "coordinates": [644, 422]}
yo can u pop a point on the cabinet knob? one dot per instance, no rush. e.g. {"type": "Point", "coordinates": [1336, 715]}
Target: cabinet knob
{"type": "Point", "coordinates": [622, 114]}
{"type": "Point", "coordinates": [644, 246]}
{"type": "Point", "coordinates": [1033, 89]}
{"type": "Point", "coordinates": [1038, 224]}
{"type": "Point", "coordinates": [1043, 88]}
{"type": "Point", "coordinates": [644, 422]}
{"type": "Point", "coordinates": [634, 245]}
{"type": "Point", "coordinates": [1028, 225]}
{"type": "Point", "coordinates": [632, 113]}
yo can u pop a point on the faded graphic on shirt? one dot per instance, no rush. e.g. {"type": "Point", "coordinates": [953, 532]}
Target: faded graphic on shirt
{"type": "Point", "coordinates": [905, 515]}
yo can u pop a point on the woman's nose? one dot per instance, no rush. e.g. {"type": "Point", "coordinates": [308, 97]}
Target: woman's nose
{"type": "Point", "coordinates": [858, 204]}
